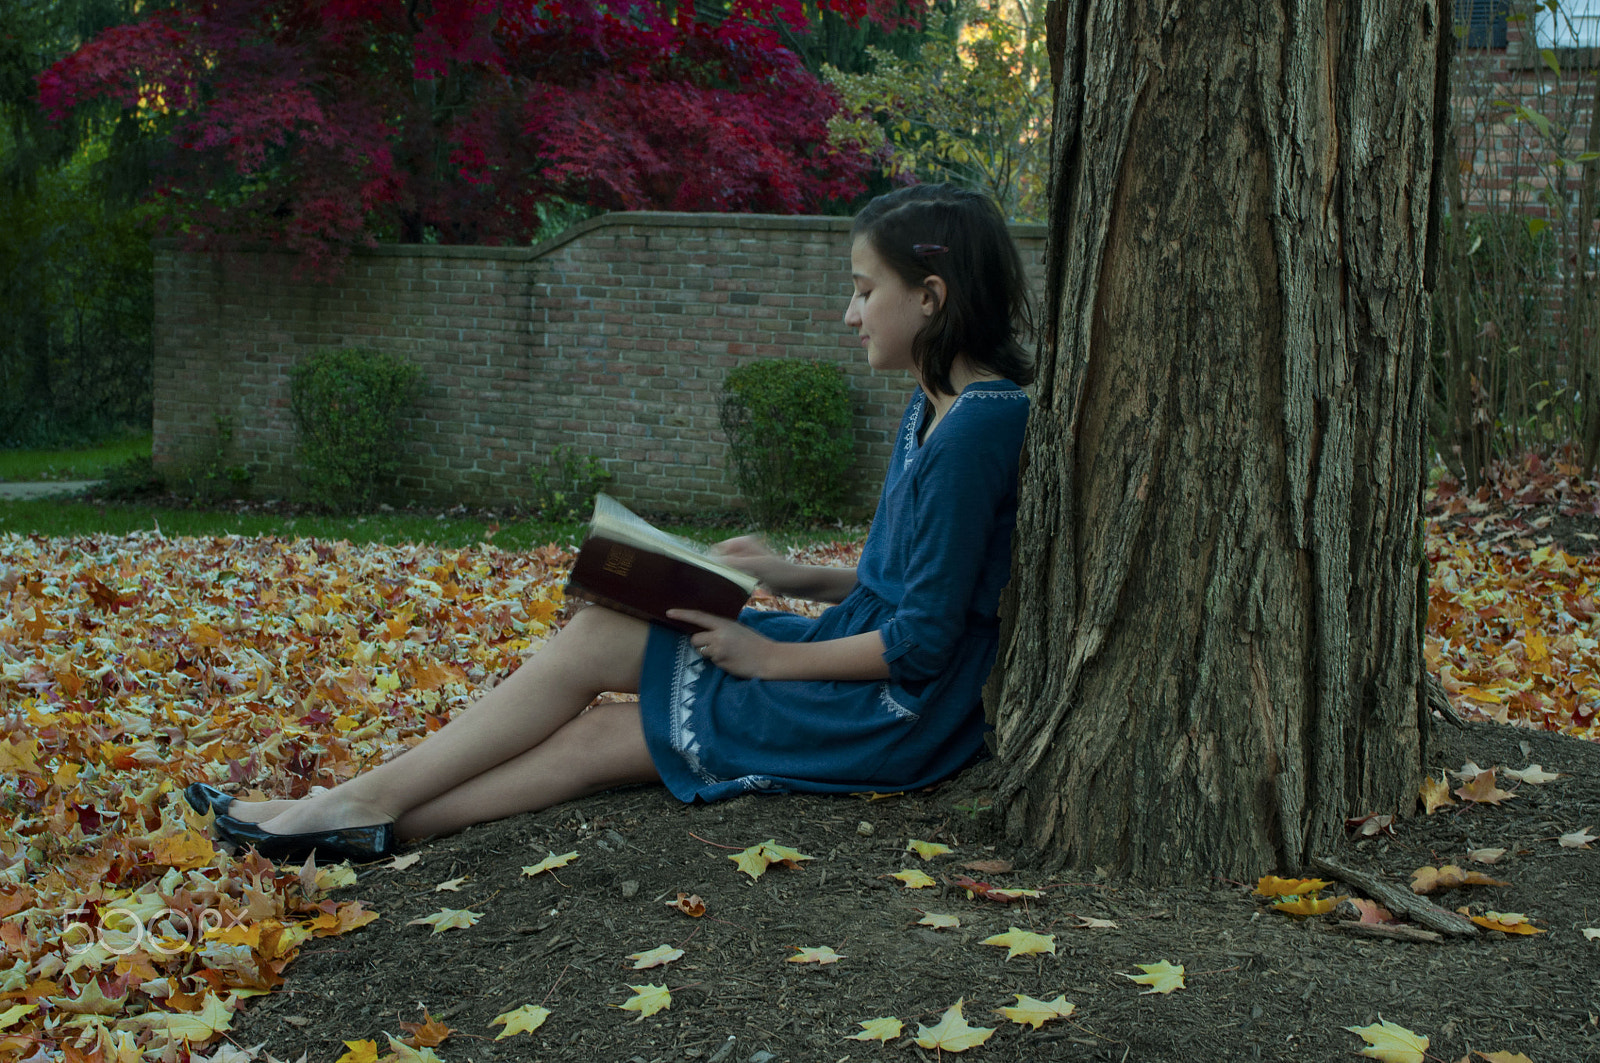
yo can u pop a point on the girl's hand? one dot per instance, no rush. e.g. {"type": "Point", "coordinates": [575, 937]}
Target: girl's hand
{"type": "Point", "coordinates": [750, 553]}
{"type": "Point", "coordinates": [728, 644]}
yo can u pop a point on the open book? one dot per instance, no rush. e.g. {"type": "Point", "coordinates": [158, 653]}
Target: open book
{"type": "Point", "coordinates": [627, 564]}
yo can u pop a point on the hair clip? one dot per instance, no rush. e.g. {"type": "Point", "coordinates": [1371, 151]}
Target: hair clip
{"type": "Point", "coordinates": [928, 249]}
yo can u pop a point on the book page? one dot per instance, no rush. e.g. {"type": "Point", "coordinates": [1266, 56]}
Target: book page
{"type": "Point", "coordinates": [613, 520]}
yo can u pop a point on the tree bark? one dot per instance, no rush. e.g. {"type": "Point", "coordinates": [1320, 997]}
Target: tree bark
{"type": "Point", "coordinates": [1212, 646]}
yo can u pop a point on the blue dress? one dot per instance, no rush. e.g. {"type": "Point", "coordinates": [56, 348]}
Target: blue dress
{"type": "Point", "coordinates": [936, 558]}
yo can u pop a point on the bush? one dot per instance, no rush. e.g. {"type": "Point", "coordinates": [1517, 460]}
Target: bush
{"type": "Point", "coordinates": [788, 429]}
{"type": "Point", "coordinates": [565, 485]}
{"type": "Point", "coordinates": [348, 405]}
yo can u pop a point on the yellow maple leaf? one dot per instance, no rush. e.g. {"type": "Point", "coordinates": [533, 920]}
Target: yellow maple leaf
{"type": "Point", "coordinates": [359, 1052]}
{"type": "Point", "coordinates": [885, 1029]}
{"type": "Point", "coordinates": [1308, 905]}
{"type": "Point", "coordinates": [647, 999]}
{"type": "Point", "coordinates": [12, 1015]}
{"type": "Point", "coordinates": [1390, 1043]}
{"type": "Point", "coordinates": [927, 850]}
{"type": "Point", "coordinates": [1013, 895]}
{"type": "Point", "coordinates": [1435, 794]}
{"type": "Point", "coordinates": [656, 957]}
{"type": "Point", "coordinates": [447, 919]}
{"type": "Point", "coordinates": [400, 863]}
{"type": "Point", "coordinates": [814, 954]}
{"type": "Point", "coordinates": [550, 863]}
{"type": "Point", "coordinates": [20, 757]}
{"type": "Point", "coordinates": [1031, 1012]}
{"type": "Point", "coordinates": [938, 922]}
{"type": "Point", "coordinates": [1505, 1057]}
{"type": "Point", "coordinates": [1482, 790]}
{"type": "Point", "coordinates": [1272, 886]}
{"type": "Point", "coordinates": [336, 877]}
{"type": "Point", "coordinates": [525, 1019]}
{"type": "Point", "coordinates": [782, 854]}
{"type": "Point", "coordinates": [914, 879]}
{"type": "Point", "coordinates": [1019, 942]}
{"type": "Point", "coordinates": [755, 860]}
{"type": "Point", "coordinates": [215, 1016]}
{"type": "Point", "coordinates": [951, 1033]}
{"type": "Point", "coordinates": [451, 885]}
{"type": "Point", "coordinates": [1161, 977]}
{"type": "Point", "coordinates": [186, 851]}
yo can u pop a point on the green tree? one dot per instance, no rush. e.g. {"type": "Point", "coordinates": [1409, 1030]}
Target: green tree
{"type": "Point", "coordinates": [972, 106]}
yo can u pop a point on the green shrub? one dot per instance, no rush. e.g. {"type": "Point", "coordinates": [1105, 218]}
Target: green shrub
{"type": "Point", "coordinates": [348, 404]}
{"type": "Point", "coordinates": [788, 429]}
{"type": "Point", "coordinates": [564, 486]}
{"type": "Point", "coordinates": [134, 478]}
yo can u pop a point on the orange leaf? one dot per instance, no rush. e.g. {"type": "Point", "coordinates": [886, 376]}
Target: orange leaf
{"type": "Point", "coordinates": [1482, 790]}
{"type": "Point", "coordinates": [690, 905]}
{"type": "Point", "coordinates": [427, 1033]}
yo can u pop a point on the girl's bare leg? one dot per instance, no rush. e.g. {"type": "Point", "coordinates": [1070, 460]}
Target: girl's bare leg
{"type": "Point", "coordinates": [493, 753]}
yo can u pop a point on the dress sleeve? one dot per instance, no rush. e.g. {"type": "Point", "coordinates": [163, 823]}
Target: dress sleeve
{"type": "Point", "coordinates": [963, 494]}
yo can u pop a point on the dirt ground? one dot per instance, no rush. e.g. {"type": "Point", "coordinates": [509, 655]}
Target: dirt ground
{"type": "Point", "coordinates": [1260, 985]}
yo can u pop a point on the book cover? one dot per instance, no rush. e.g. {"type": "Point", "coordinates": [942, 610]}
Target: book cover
{"type": "Point", "coordinates": [629, 565]}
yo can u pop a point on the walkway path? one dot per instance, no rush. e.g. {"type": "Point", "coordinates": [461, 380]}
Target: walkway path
{"type": "Point", "coordinates": [50, 489]}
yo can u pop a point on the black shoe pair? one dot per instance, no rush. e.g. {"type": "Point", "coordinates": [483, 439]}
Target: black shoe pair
{"type": "Point", "coordinates": [351, 843]}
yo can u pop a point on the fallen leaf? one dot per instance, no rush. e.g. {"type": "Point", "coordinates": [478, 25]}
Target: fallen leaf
{"type": "Point", "coordinates": [453, 885]}
{"type": "Point", "coordinates": [1089, 923]}
{"type": "Point", "coordinates": [1390, 1043]}
{"type": "Point", "coordinates": [885, 1029]}
{"type": "Point", "coordinates": [1504, 1057]}
{"type": "Point", "coordinates": [1592, 933]}
{"type": "Point", "coordinates": [525, 1019]}
{"type": "Point", "coordinates": [1506, 922]}
{"type": "Point", "coordinates": [914, 879]}
{"type": "Point", "coordinates": [951, 1033]}
{"type": "Point", "coordinates": [1482, 790]}
{"type": "Point", "coordinates": [656, 957]}
{"type": "Point", "coordinates": [1272, 886]}
{"type": "Point", "coordinates": [1308, 905]}
{"type": "Point", "coordinates": [1035, 1013]}
{"type": "Point", "coordinates": [927, 850]}
{"type": "Point", "coordinates": [939, 922]}
{"type": "Point", "coordinates": [1022, 942]}
{"type": "Point", "coordinates": [447, 919]}
{"type": "Point", "coordinates": [1435, 794]}
{"type": "Point", "coordinates": [1468, 772]}
{"type": "Point", "coordinates": [400, 863]}
{"type": "Point", "coordinates": [359, 1052]}
{"type": "Point", "coordinates": [689, 904]}
{"type": "Point", "coordinates": [1533, 774]}
{"type": "Point", "coordinates": [1372, 912]}
{"type": "Point", "coordinates": [1161, 977]}
{"type": "Point", "coordinates": [819, 954]}
{"type": "Point", "coordinates": [1426, 880]}
{"type": "Point", "coordinates": [550, 863]}
{"type": "Point", "coordinates": [427, 1033]}
{"type": "Point", "coordinates": [1370, 825]}
{"type": "Point", "coordinates": [989, 867]}
{"type": "Point", "coordinates": [1008, 895]}
{"type": "Point", "coordinates": [404, 1053]}
{"type": "Point", "coordinates": [647, 1000]}
{"type": "Point", "coordinates": [755, 860]}
{"type": "Point", "coordinates": [1485, 856]}
{"type": "Point", "coordinates": [1578, 839]}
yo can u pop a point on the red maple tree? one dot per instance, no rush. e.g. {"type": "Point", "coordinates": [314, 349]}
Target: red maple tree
{"type": "Point", "coordinates": [326, 124]}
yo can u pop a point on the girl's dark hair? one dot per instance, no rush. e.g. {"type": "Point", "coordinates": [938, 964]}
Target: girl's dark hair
{"type": "Point", "coordinates": [959, 236]}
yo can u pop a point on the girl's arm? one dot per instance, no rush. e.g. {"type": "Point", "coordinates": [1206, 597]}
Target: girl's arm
{"type": "Point", "coordinates": [739, 651]}
{"type": "Point", "coordinates": [819, 583]}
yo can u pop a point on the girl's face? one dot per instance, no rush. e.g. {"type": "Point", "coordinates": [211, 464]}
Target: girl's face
{"type": "Point", "coordinates": [885, 312]}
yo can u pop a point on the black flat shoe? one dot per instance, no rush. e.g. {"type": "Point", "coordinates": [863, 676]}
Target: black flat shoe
{"type": "Point", "coordinates": [350, 843]}
{"type": "Point", "coordinates": [203, 799]}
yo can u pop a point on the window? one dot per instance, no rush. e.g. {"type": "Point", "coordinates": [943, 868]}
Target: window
{"type": "Point", "coordinates": [1485, 22]}
{"type": "Point", "coordinates": [1574, 24]}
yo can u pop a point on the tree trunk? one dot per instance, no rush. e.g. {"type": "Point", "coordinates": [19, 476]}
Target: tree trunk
{"type": "Point", "coordinates": [1212, 652]}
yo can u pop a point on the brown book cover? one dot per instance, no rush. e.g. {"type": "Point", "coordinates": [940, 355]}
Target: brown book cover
{"type": "Point", "coordinates": [629, 565]}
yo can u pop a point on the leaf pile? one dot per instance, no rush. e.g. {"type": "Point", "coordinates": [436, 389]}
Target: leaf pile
{"type": "Point", "coordinates": [130, 666]}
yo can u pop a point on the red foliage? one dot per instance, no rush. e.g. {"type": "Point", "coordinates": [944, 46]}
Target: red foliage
{"type": "Point", "coordinates": [324, 124]}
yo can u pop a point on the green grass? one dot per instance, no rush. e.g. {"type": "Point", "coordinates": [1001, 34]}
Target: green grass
{"type": "Point", "coordinates": [79, 463]}
{"type": "Point", "coordinates": [67, 518]}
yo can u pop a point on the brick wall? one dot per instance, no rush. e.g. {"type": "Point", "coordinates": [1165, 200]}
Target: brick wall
{"type": "Point", "coordinates": [613, 338]}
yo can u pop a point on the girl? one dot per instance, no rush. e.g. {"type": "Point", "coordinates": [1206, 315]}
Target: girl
{"type": "Point", "coordinates": [879, 693]}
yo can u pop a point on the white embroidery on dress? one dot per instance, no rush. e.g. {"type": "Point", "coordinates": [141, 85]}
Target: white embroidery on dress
{"type": "Point", "coordinates": [893, 705]}
{"type": "Point", "coordinates": [680, 710]}
{"type": "Point", "coordinates": [909, 444]}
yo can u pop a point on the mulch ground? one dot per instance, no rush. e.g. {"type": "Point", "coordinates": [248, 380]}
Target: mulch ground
{"type": "Point", "coordinates": [1260, 985]}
